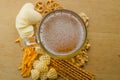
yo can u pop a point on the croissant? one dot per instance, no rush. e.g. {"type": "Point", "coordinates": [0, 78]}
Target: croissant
{"type": "Point", "coordinates": [26, 18]}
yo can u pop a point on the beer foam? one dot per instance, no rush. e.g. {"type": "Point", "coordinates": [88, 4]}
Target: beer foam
{"type": "Point", "coordinates": [62, 33]}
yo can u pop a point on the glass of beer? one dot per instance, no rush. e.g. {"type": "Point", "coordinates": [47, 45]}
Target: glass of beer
{"type": "Point", "coordinates": [62, 34]}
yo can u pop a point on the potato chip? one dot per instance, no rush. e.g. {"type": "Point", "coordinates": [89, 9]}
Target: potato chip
{"type": "Point", "coordinates": [52, 73]}
{"type": "Point", "coordinates": [42, 67]}
{"type": "Point", "coordinates": [43, 76]}
{"type": "Point", "coordinates": [35, 63]}
{"type": "Point", "coordinates": [34, 74]}
{"type": "Point", "coordinates": [45, 59]}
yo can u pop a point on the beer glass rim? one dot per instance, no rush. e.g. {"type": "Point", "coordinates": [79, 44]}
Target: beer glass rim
{"type": "Point", "coordinates": [65, 56]}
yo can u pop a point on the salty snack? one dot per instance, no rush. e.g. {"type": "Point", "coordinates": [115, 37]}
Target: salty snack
{"type": "Point", "coordinates": [49, 3]}
{"type": "Point", "coordinates": [52, 73]}
{"type": "Point", "coordinates": [42, 67]}
{"type": "Point", "coordinates": [56, 6]}
{"type": "Point", "coordinates": [35, 74]}
{"type": "Point", "coordinates": [29, 56]}
{"type": "Point", "coordinates": [43, 76]}
{"type": "Point", "coordinates": [88, 46]}
{"type": "Point", "coordinates": [70, 71]}
{"type": "Point", "coordinates": [18, 40]}
{"type": "Point", "coordinates": [39, 6]}
{"type": "Point", "coordinates": [85, 18]}
{"type": "Point", "coordinates": [41, 70]}
{"type": "Point", "coordinates": [35, 63]}
{"type": "Point", "coordinates": [80, 59]}
{"type": "Point", "coordinates": [52, 4]}
{"type": "Point", "coordinates": [48, 6]}
{"type": "Point", "coordinates": [45, 12]}
{"type": "Point", "coordinates": [45, 59]}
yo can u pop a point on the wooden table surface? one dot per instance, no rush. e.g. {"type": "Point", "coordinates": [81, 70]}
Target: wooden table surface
{"type": "Point", "coordinates": [103, 32]}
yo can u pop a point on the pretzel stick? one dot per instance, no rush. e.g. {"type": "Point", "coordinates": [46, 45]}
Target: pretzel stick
{"type": "Point", "coordinates": [71, 70]}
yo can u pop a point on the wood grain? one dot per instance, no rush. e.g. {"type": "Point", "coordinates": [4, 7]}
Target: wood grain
{"type": "Point", "coordinates": [103, 32]}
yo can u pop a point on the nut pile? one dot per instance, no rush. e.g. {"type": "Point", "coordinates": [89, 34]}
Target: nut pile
{"type": "Point", "coordinates": [81, 58]}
